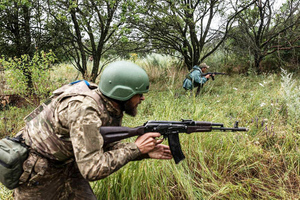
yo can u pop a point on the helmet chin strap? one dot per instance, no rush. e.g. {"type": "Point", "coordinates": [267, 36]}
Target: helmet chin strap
{"type": "Point", "coordinates": [117, 104]}
{"type": "Point", "coordinates": [122, 105]}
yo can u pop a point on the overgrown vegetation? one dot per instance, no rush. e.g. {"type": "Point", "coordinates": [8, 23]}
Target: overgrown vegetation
{"type": "Point", "coordinates": [291, 94]}
{"type": "Point", "coordinates": [262, 163]}
{"type": "Point", "coordinates": [93, 31]}
{"type": "Point", "coordinates": [28, 77]}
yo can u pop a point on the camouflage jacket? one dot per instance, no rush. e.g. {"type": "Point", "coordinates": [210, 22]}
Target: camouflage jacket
{"type": "Point", "coordinates": [67, 127]}
{"type": "Point", "coordinates": [194, 78]}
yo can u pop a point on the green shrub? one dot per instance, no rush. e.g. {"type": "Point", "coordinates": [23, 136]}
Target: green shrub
{"type": "Point", "coordinates": [29, 77]}
{"type": "Point", "coordinates": [291, 93]}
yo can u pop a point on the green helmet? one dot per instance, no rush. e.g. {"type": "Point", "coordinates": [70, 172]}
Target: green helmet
{"type": "Point", "coordinates": [122, 79]}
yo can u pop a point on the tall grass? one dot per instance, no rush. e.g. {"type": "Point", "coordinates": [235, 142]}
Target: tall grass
{"type": "Point", "coordinates": [165, 72]}
{"type": "Point", "coordinates": [262, 163]}
{"type": "Point", "coordinates": [290, 91]}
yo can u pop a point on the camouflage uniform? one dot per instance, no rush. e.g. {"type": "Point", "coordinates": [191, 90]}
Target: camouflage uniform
{"type": "Point", "coordinates": [67, 148]}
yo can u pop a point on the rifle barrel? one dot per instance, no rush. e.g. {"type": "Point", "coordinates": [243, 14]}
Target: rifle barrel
{"type": "Point", "coordinates": [230, 129]}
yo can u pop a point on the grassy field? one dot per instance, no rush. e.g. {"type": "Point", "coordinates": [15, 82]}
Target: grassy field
{"type": "Point", "coordinates": [262, 163]}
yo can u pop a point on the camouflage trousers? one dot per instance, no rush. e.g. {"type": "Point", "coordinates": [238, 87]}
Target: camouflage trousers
{"type": "Point", "coordinates": [49, 182]}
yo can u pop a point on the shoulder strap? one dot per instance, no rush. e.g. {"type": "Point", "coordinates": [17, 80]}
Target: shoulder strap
{"type": "Point", "coordinates": [78, 87]}
{"type": "Point", "coordinates": [188, 75]}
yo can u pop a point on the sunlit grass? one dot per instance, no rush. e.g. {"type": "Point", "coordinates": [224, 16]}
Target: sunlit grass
{"type": "Point", "coordinates": [5, 194]}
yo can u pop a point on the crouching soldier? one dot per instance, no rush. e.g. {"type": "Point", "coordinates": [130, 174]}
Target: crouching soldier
{"type": "Point", "coordinates": [67, 150]}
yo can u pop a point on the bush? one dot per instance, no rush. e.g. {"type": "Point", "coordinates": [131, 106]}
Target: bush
{"type": "Point", "coordinates": [291, 94]}
{"type": "Point", "coordinates": [29, 77]}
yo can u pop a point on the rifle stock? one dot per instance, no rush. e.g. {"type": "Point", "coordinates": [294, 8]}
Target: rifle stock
{"type": "Point", "coordinates": [112, 134]}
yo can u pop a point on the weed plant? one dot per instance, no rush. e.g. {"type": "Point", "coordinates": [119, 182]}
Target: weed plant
{"type": "Point", "coordinates": [291, 94]}
{"type": "Point", "coordinates": [262, 163]}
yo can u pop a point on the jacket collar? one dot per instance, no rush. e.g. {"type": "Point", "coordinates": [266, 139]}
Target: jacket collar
{"type": "Point", "coordinates": [113, 111]}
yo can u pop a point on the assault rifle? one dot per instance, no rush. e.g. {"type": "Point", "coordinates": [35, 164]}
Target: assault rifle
{"type": "Point", "coordinates": [213, 73]}
{"type": "Point", "coordinates": [212, 76]}
{"type": "Point", "coordinates": [169, 130]}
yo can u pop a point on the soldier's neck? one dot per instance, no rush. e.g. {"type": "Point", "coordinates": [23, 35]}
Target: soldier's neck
{"type": "Point", "coordinates": [116, 104]}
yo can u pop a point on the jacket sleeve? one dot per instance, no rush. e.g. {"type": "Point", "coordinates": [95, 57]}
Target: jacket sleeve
{"type": "Point", "coordinates": [82, 117]}
{"type": "Point", "coordinates": [198, 78]}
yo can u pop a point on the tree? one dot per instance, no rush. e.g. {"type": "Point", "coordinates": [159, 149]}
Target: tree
{"type": "Point", "coordinates": [91, 28]}
{"type": "Point", "coordinates": [194, 29]}
{"type": "Point", "coordinates": [261, 29]}
{"type": "Point", "coordinates": [16, 32]}
{"type": "Point", "coordinates": [23, 33]}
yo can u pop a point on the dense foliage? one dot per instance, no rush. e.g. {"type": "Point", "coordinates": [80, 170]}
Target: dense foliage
{"type": "Point", "coordinates": [100, 31]}
{"type": "Point", "coordinates": [29, 76]}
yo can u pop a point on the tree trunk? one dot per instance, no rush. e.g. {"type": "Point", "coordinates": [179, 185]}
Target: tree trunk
{"type": "Point", "coordinates": [257, 60]}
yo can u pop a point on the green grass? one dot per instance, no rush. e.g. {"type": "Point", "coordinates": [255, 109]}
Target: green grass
{"type": "Point", "coordinates": [262, 163]}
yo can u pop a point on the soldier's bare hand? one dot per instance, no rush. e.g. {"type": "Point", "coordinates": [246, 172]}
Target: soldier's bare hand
{"type": "Point", "coordinates": [147, 142]}
{"type": "Point", "coordinates": [161, 151]}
